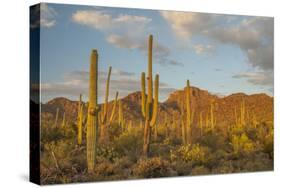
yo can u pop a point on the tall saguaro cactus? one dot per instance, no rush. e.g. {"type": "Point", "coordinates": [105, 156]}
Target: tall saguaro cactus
{"type": "Point", "coordinates": [63, 123]}
{"type": "Point", "coordinates": [57, 117]}
{"type": "Point", "coordinates": [149, 105]}
{"type": "Point", "coordinates": [92, 121]}
{"type": "Point", "coordinates": [105, 118]}
{"type": "Point", "coordinates": [212, 118]}
{"type": "Point", "coordinates": [242, 114]}
{"type": "Point", "coordinates": [121, 121]}
{"type": "Point", "coordinates": [188, 118]}
{"type": "Point", "coordinates": [201, 123]}
{"type": "Point", "coordinates": [80, 120]}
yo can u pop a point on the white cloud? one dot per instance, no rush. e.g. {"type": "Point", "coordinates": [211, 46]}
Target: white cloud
{"type": "Point", "coordinates": [48, 15]}
{"type": "Point", "coordinates": [43, 15]}
{"type": "Point", "coordinates": [203, 49]}
{"type": "Point", "coordinates": [160, 52]}
{"type": "Point", "coordinates": [103, 21]}
{"type": "Point", "coordinates": [77, 82]}
{"type": "Point", "coordinates": [257, 78]}
{"type": "Point", "coordinates": [253, 35]}
{"type": "Point", "coordinates": [187, 24]}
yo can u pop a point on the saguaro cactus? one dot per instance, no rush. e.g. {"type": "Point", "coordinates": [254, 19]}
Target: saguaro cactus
{"type": "Point", "coordinates": [105, 118]}
{"type": "Point", "coordinates": [212, 118]}
{"type": "Point", "coordinates": [241, 120]}
{"type": "Point", "coordinates": [201, 123]}
{"type": "Point", "coordinates": [188, 118]}
{"type": "Point", "coordinates": [242, 114]}
{"type": "Point", "coordinates": [57, 117]}
{"type": "Point", "coordinates": [63, 123]}
{"type": "Point", "coordinates": [149, 106]}
{"type": "Point", "coordinates": [92, 121]}
{"type": "Point", "coordinates": [121, 121]}
{"type": "Point", "coordinates": [80, 120]}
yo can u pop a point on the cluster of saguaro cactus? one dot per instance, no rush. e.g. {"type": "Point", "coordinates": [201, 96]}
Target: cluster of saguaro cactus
{"type": "Point", "coordinates": [149, 105]}
{"type": "Point", "coordinates": [80, 120]}
{"type": "Point", "coordinates": [187, 119]}
{"type": "Point", "coordinates": [105, 119]}
{"type": "Point", "coordinates": [92, 120]}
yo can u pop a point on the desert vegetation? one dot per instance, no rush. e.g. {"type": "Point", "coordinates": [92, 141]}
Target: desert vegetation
{"type": "Point", "coordinates": [192, 133]}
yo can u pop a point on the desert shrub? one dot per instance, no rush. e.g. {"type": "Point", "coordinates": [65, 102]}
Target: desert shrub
{"type": "Point", "coordinates": [254, 162]}
{"type": "Point", "coordinates": [242, 144]}
{"type": "Point", "coordinates": [200, 170]}
{"type": "Point", "coordinates": [268, 144]}
{"type": "Point", "coordinates": [152, 167]}
{"type": "Point", "coordinates": [190, 153]}
{"type": "Point", "coordinates": [114, 130]}
{"type": "Point", "coordinates": [181, 167]}
{"type": "Point", "coordinates": [49, 134]}
{"type": "Point", "coordinates": [104, 168]}
{"type": "Point", "coordinates": [216, 157]}
{"type": "Point", "coordinates": [128, 144]}
{"type": "Point", "coordinates": [223, 167]}
{"type": "Point", "coordinates": [213, 141]}
{"type": "Point", "coordinates": [107, 152]}
{"type": "Point", "coordinates": [160, 150]}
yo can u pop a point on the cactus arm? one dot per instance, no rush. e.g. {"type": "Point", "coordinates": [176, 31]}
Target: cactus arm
{"type": "Point", "coordinates": [114, 108]}
{"type": "Point", "coordinates": [155, 102]}
{"type": "Point", "coordinates": [143, 95]}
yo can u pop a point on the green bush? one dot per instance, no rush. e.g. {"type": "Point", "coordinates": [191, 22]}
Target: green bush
{"type": "Point", "coordinates": [190, 153]}
{"type": "Point", "coordinates": [151, 168]}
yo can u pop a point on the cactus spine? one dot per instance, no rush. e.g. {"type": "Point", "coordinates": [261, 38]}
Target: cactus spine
{"type": "Point", "coordinates": [80, 121]}
{"type": "Point", "coordinates": [149, 106]}
{"type": "Point", "coordinates": [92, 121]}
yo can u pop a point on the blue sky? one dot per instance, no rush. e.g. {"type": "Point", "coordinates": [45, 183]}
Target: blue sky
{"type": "Point", "coordinates": [223, 54]}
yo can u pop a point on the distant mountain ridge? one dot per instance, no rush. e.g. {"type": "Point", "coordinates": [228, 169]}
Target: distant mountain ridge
{"type": "Point", "coordinates": [258, 105]}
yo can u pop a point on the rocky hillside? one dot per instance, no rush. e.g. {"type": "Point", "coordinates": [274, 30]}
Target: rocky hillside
{"type": "Point", "coordinates": [258, 105]}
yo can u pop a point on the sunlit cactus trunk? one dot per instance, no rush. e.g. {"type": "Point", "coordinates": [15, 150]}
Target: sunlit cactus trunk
{"type": "Point", "coordinates": [166, 124]}
{"type": "Point", "coordinates": [105, 118]}
{"type": "Point", "coordinates": [189, 114]}
{"type": "Point", "coordinates": [242, 114]}
{"type": "Point", "coordinates": [80, 121]}
{"type": "Point", "coordinates": [57, 117]}
{"type": "Point", "coordinates": [92, 121]}
{"type": "Point", "coordinates": [120, 116]}
{"type": "Point", "coordinates": [63, 120]}
{"type": "Point", "coordinates": [130, 126]}
{"type": "Point", "coordinates": [212, 118]}
{"type": "Point", "coordinates": [149, 106]}
{"type": "Point", "coordinates": [201, 123]}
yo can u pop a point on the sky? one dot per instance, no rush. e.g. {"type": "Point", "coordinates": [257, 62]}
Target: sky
{"type": "Point", "coordinates": [223, 54]}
